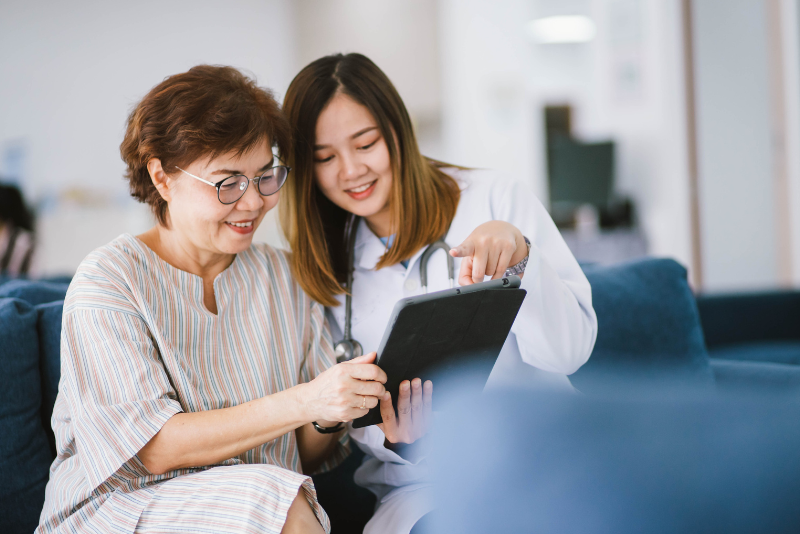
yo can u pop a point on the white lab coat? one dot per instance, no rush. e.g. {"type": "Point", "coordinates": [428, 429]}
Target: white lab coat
{"type": "Point", "coordinates": [553, 334]}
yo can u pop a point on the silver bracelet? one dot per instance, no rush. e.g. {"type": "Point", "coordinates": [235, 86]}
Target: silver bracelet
{"type": "Point", "coordinates": [519, 268]}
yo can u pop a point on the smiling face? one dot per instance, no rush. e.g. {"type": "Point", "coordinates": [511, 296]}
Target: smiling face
{"type": "Point", "coordinates": [351, 162]}
{"type": "Point", "coordinates": [202, 223]}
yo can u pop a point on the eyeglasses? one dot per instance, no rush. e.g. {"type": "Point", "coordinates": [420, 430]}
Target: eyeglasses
{"type": "Point", "coordinates": [232, 188]}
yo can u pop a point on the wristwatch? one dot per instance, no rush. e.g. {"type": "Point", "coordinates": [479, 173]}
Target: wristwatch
{"type": "Point", "coordinates": [519, 268]}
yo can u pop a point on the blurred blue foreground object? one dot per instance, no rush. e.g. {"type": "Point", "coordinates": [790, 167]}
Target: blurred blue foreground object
{"type": "Point", "coordinates": [664, 462]}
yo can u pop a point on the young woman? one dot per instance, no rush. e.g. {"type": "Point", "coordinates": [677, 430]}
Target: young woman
{"type": "Point", "coordinates": [359, 178]}
{"type": "Point", "coordinates": [198, 386]}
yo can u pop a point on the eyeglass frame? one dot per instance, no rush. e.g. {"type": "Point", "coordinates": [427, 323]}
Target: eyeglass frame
{"type": "Point", "coordinates": [217, 185]}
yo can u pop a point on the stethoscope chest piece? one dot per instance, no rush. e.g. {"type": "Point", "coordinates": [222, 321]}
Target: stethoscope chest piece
{"type": "Point", "coordinates": [347, 349]}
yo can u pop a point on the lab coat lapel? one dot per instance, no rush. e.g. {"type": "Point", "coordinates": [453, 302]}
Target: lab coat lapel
{"type": "Point", "coordinates": [369, 248]}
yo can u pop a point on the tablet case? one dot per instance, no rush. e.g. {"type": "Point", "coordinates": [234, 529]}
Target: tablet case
{"type": "Point", "coordinates": [439, 332]}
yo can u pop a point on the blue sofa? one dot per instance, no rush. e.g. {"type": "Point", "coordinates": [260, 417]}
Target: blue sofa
{"type": "Point", "coordinates": [753, 337]}
{"type": "Point", "coordinates": [649, 330]}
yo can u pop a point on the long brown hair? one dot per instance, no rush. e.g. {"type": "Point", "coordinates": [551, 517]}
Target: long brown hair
{"type": "Point", "coordinates": [423, 198]}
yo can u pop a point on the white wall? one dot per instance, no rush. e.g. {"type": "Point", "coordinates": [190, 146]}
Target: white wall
{"type": "Point", "coordinates": [496, 83]}
{"type": "Point", "coordinates": [400, 37]}
{"type": "Point", "coordinates": [71, 71]}
{"type": "Point", "coordinates": [790, 29]}
{"type": "Point", "coordinates": [737, 202]}
{"type": "Point", "coordinates": [638, 99]}
{"type": "Point", "coordinates": [488, 116]}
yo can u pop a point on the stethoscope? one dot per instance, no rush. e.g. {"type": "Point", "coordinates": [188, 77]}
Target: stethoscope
{"type": "Point", "coordinates": [348, 348]}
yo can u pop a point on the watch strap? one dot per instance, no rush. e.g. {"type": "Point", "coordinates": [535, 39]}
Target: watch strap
{"type": "Point", "coordinates": [328, 430]}
{"type": "Point", "coordinates": [519, 267]}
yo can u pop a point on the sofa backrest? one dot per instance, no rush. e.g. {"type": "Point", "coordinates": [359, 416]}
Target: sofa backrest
{"type": "Point", "coordinates": [30, 368]}
{"type": "Point", "coordinates": [730, 319]}
{"type": "Point", "coordinates": [648, 326]}
{"type": "Point", "coordinates": [24, 453]}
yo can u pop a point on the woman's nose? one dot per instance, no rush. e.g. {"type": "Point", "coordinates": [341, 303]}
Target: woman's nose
{"type": "Point", "coordinates": [351, 167]}
{"type": "Point", "coordinates": [251, 200]}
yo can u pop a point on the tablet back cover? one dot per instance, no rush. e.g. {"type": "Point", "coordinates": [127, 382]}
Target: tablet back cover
{"type": "Point", "coordinates": [438, 336]}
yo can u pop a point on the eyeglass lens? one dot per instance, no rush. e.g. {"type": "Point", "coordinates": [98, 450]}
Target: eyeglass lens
{"type": "Point", "coordinates": [234, 187]}
{"type": "Point", "coordinates": [272, 180]}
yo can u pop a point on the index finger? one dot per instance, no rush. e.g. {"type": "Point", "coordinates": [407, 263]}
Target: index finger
{"type": "Point", "coordinates": [367, 371]}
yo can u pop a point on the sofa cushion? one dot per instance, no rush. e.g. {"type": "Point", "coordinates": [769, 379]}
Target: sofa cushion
{"type": "Point", "coordinates": [648, 325]}
{"type": "Point", "coordinates": [785, 352]}
{"type": "Point", "coordinates": [49, 328]}
{"type": "Point", "coordinates": [24, 452]}
{"type": "Point", "coordinates": [34, 292]}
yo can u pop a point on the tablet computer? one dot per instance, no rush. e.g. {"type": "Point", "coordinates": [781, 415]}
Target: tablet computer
{"type": "Point", "coordinates": [434, 333]}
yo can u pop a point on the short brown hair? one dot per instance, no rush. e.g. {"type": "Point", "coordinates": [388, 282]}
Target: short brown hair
{"type": "Point", "coordinates": [424, 198]}
{"type": "Point", "coordinates": [205, 112]}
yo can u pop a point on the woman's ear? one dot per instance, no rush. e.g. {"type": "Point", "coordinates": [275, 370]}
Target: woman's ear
{"type": "Point", "coordinates": [159, 178]}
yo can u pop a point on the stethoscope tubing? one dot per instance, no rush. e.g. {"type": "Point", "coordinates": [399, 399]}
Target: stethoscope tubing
{"type": "Point", "coordinates": [348, 348]}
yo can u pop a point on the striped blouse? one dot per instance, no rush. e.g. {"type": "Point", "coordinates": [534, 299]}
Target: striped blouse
{"type": "Point", "coordinates": [138, 346]}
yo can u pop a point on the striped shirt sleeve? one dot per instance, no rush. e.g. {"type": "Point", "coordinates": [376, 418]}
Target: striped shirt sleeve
{"type": "Point", "coordinates": [318, 358]}
{"type": "Point", "coordinates": [118, 391]}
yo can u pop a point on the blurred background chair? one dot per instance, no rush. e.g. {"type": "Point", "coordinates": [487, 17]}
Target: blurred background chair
{"type": "Point", "coordinates": [17, 242]}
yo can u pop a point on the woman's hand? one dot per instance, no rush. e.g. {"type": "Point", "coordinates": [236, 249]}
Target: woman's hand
{"type": "Point", "coordinates": [488, 251]}
{"type": "Point", "coordinates": [414, 408]}
{"type": "Point", "coordinates": [344, 392]}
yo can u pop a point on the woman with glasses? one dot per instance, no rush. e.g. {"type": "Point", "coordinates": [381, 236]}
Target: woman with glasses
{"type": "Point", "coordinates": [198, 385]}
{"type": "Point", "coordinates": [359, 179]}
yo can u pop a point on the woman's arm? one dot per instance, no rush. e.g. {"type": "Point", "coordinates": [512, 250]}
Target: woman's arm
{"type": "Point", "coordinates": [206, 438]}
{"type": "Point", "coordinates": [315, 447]}
{"type": "Point", "coordinates": [556, 326]}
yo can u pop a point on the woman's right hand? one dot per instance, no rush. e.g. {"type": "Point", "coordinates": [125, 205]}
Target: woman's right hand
{"type": "Point", "coordinates": [344, 392]}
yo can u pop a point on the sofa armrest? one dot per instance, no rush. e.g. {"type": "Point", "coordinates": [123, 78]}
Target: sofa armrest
{"type": "Point", "coordinates": [756, 376]}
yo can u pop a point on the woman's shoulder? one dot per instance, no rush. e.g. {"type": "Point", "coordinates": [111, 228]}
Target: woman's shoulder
{"type": "Point", "coordinates": [103, 278]}
{"type": "Point", "coordinates": [477, 182]}
{"type": "Point", "coordinates": [268, 257]}
{"type": "Point", "coordinates": [275, 263]}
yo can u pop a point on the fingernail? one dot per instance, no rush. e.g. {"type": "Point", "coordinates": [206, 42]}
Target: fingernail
{"type": "Point", "coordinates": [404, 386]}
{"type": "Point", "coordinates": [387, 396]}
{"type": "Point", "coordinates": [415, 383]}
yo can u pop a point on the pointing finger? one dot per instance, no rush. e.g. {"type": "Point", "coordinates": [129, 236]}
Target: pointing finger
{"type": "Point", "coordinates": [464, 249]}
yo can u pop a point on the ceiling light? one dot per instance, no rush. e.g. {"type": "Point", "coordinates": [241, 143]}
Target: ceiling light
{"type": "Point", "coordinates": [563, 29]}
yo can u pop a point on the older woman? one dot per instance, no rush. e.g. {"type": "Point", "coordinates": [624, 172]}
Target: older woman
{"type": "Point", "coordinates": [197, 378]}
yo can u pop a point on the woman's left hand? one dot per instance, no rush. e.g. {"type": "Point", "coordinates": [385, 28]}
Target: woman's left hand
{"type": "Point", "coordinates": [414, 409]}
{"type": "Point", "coordinates": [488, 251]}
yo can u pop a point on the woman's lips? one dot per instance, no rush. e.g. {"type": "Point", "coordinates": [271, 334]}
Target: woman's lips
{"type": "Point", "coordinates": [241, 229]}
{"type": "Point", "coordinates": [363, 194]}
